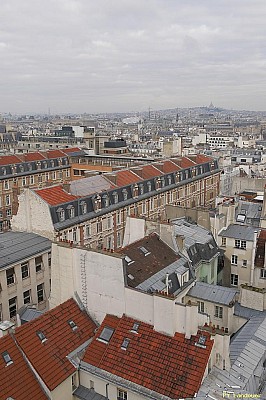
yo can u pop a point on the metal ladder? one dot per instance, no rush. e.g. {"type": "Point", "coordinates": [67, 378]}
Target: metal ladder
{"type": "Point", "coordinates": [84, 293]}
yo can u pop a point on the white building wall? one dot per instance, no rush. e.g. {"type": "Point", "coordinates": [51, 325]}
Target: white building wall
{"type": "Point", "coordinates": [33, 215]}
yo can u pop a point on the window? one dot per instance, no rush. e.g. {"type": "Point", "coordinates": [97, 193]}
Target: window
{"type": "Point", "coordinates": [71, 212]}
{"type": "Point", "coordinates": [244, 263]}
{"type": "Point", "coordinates": [240, 244]}
{"type": "Point", "coordinates": [6, 185]}
{"type": "Point", "coordinates": [9, 212]}
{"type": "Point", "coordinates": [115, 196]}
{"type": "Point", "coordinates": [223, 241]}
{"type": "Point", "coordinates": [218, 312]}
{"type": "Point", "coordinates": [49, 259]}
{"type": "Point", "coordinates": [121, 394]}
{"type": "Point", "coordinates": [24, 181]}
{"type": "Point", "coordinates": [72, 325]}
{"type": "Point", "coordinates": [201, 306]}
{"type": "Point", "coordinates": [12, 307]}
{"type": "Point", "coordinates": [135, 327]}
{"type": "Point", "coordinates": [118, 239]}
{"type": "Point", "coordinates": [61, 214]}
{"type": "Point", "coordinates": [41, 336]}
{"type": "Point", "coordinates": [24, 270]}
{"type": "Point", "coordinates": [54, 175]}
{"type": "Point", "coordinates": [118, 217]}
{"type": "Point", "coordinates": [125, 194]}
{"type": "Point", "coordinates": [234, 259]}
{"type": "Point", "coordinates": [26, 297]}
{"type": "Point", "coordinates": [87, 231]}
{"type": "Point", "coordinates": [263, 273]}
{"type": "Point", "coordinates": [83, 206]}
{"type": "Point", "coordinates": [8, 200]}
{"type": "Point", "coordinates": [32, 179]}
{"type": "Point", "coordinates": [106, 334]}
{"type": "Point", "coordinates": [10, 276]}
{"type": "Point", "coordinates": [234, 280]}
{"type": "Point", "coordinates": [40, 292]}
{"type": "Point", "coordinates": [38, 264]}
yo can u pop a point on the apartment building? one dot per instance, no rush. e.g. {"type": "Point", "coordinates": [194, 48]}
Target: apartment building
{"type": "Point", "coordinates": [239, 244]}
{"type": "Point", "coordinates": [34, 170]}
{"type": "Point", "coordinates": [25, 272]}
{"type": "Point", "coordinates": [97, 218]}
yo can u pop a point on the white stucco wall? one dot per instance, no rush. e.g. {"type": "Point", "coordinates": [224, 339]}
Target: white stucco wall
{"type": "Point", "coordinates": [33, 215]}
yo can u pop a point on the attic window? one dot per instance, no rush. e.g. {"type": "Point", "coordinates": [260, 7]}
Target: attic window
{"type": "Point", "coordinates": [41, 336]}
{"type": "Point", "coordinates": [135, 327]}
{"type": "Point", "coordinates": [128, 260]}
{"type": "Point", "coordinates": [125, 344]}
{"type": "Point", "coordinates": [72, 325]}
{"type": "Point", "coordinates": [144, 251]}
{"type": "Point", "coordinates": [7, 359]}
{"type": "Point", "coordinates": [115, 196]}
{"type": "Point", "coordinates": [83, 206]}
{"type": "Point", "coordinates": [106, 334]}
{"type": "Point", "coordinates": [61, 214]}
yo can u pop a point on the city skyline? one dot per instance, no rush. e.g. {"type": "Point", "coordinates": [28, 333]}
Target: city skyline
{"type": "Point", "coordinates": [79, 56]}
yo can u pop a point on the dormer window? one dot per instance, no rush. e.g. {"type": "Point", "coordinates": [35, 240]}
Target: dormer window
{"type": "Point", "coordinates": [61, 214]}
{"type": "Point", "coordinates": [83, 207]}
{"type": "Point", "coordinates": [29, 167]}
{"type": "Point", "coordinates": [45, 164]}
{"type": "Point", "coordinates": [135, 190]}
{"type": "Point", "coordinates": [7, 359]}
{"type": "Point", "coordinates": [135, 327]}
{"type": "Point", "coordinates": [169, 178]}
{"type": "Point", "coordinates": [115, 196]}
{"type": "Point", "coordinates": [105, 200]}
{"type": "Point", "coordinates": [52, 163]}
{"type": "Point", "coordinates": [41, 336]}
{"type": "Point", "coordinates": [4, 170]}
{"type": "Point", "coordinates": [21, 167]}
{"type": "Point", "coordinates": [149, 186]}
{"type": "Point", "coordinates": [71, 211]}
{"type": "Point", "coordinates": [162, 182]}
{"type": "Point", "coordinates": [125, 194]}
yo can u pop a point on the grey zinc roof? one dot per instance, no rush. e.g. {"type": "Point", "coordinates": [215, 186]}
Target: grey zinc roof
{"type": "Point", "coordinates": [88, 394]}
{"type": "Point", "coordinates": [245, 312]}
{"type": "Point", "coordinates": [213, 293]}
{"type": "Point", "coordinates": [18, 246]}
{"type": "Point", "coordinates": [193, 233]}
{"type": "Point", "coordinates": [29, 314]}
{"type": "Point", "coordinates": [236, 231]}
{"type": "Point", "coordinates": [87, 186]}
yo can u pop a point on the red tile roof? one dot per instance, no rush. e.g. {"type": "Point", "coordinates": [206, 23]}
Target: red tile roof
{"type": "Point", "coordinates": [184, 162]}
{"type": "Point", "coordinates": [170, 166]}
{"type": "Point", "coordinates": [55, 154]}
{"type": "Point", "coordinates": [17, 380]}
{"type": "Point", "coordinates": [126, 177]}
{"type": "Point", "coordinates": [33, 156]}
{"type": "Point", "coordinates": [55, 195]}
{"type": "Point", "coordinates": [150, 171]}
{"type": "Point", "coordinates": [6, 160]}
{"type": "Point", "coordinates": [49, 358]}
{"type": "Point", "coordinates": [71, 150]}
{"type": "Point", "coordinates": [201, 158]}
{"type": "Point", "coordinates": [171, 366]}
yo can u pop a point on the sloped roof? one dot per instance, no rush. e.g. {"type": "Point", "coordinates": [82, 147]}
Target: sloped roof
{"type": "Point", "coordinates": [150, 171]}
{"type": "Point", "coordinates": [213, 293]}
{"type": "Point", "coordinates": [7, 160]}
{"type": "Point", "coordinates": [171, 366]}
{"type": "Point", "coordinates": [126, 177]}
{"type": "Point", "coordinates": [87, 186]}
{"type": "Point", "coordinates": [55, 153]}
{"type": "Point", "coordinates": [236, 231]}
{"type": "Point", "coordinates": [71, 150]}
{"type": "Point", "coordinates": [170, 166]}
{"type": "Point", "coordinates": [18, 246]}
{"type": "Point", "coordinates": [55, 195]}
{"type": "Point", "coordinates": [34, 156]}
{"type": "Point", "coordinates": [17, 380]}
{"type": "Point", "coordinates": [49, 358]}
{"type": "Point", "coordinates": [144, 266]}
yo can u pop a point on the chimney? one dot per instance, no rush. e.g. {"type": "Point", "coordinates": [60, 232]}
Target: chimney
{"type": "Point", "coordinates": [66, 187]}
{"type": "Point", "coordinates": [5, 327]}
{"type": "Point", "coordinates": [180, 242]}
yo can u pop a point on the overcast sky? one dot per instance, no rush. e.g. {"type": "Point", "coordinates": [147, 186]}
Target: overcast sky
{"type": "Point", "coordinates": [129, 55]}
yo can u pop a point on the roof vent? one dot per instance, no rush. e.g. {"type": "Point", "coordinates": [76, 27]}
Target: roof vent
{"type": "Point", "coordinates": [201, 342]}
{"type": "Point", "coordinates": [125, 344]}
{"type": "Point", "coordinates": [41, 336]}
{"type": "Point", "coordinates": [7, 359]}
{"type": "Point", "coordinates": [135, 327]}
{"type": "Point", "coordinates": [72, 325]}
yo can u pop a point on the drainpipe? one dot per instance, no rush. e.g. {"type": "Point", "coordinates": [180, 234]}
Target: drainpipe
{"type": "Point", "coordinates": [106, 390]}
{"type": "Point", "coordinates": [253, 257]}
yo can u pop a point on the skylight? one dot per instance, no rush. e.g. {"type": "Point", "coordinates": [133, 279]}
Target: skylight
{"type": "Point", "coordinates": [144, 251]}
{"type": "Point", "coordinates": [125, 344]}
{"type": "Point", "coordinates": [41, 336]}
{"type": "Point", "coordinates": [72, 325]}
{"type": "Point", "coordinates": [201, 342]}
{"type": "Point", "coordinates": [128, 260]}
{"type": "Point", "coordinates": [135, 327]}
{"type": "Point", "coordinates": [106, 334]}
{"type": "Point", "coordinates": [8, 360]}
